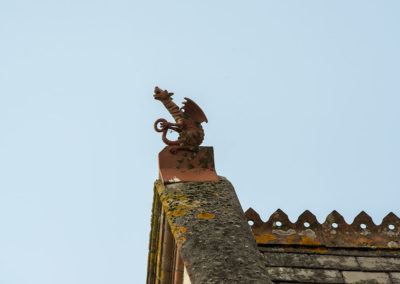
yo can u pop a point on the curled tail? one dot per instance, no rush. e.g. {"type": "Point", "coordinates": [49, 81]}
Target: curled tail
{"type": "Point", "coordinates": [164, 133]}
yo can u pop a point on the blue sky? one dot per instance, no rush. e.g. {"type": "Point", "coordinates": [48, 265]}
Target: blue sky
{"type": "Point", "coordinates": [302, 99]}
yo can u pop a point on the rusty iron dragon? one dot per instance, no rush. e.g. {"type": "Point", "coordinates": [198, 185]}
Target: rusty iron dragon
{"type": "Point", "coordinates": [187, 124]}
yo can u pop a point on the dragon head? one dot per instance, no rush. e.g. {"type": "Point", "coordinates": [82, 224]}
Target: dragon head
{"type": "Point", "coordinates": [161, 95]}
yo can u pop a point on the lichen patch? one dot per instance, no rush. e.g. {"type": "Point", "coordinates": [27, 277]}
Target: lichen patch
{"type": "Point", "coordinates": [206, 216]}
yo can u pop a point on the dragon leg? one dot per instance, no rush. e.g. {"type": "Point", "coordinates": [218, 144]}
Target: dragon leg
{"type": "Point", "coordinates": [169, 142]}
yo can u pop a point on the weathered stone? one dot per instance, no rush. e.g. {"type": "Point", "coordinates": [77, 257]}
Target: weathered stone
{"type": "Point", "coordinates": [395, 277]}
{"type": "Point", "coordinates": [304, 275]}
{"type": "Point", "coordinates": [211, 230]}
{"type": "Point", "coordinates": [379, 263]}
{"type": "Point", "coordinates": [359, 277]}
{"type": "Point", "coordinates": [311, 261]}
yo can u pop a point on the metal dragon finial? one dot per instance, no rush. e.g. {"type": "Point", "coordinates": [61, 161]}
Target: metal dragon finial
{"type": "Point", "coordinates": [188, 121]}
{"type": "Point", "coordinates": [184, 159]}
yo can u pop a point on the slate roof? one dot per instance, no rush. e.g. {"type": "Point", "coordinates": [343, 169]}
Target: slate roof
{"type": "Point", "coordinates": [201, 227]}
{"type": "Point", "coordinates": [294, 253]}
{"type": "Point", "coordinates": [299, 265]}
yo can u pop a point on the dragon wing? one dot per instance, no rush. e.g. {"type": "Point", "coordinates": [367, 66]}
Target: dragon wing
{"type": "Point", "coordinates": [194, 111]}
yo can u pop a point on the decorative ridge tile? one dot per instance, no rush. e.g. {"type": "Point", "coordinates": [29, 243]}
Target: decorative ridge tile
{"type": "Point", "coordinates": [334, 232]}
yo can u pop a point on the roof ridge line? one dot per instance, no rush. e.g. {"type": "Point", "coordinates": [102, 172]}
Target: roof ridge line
{"type": "Point", "coordinates": [333, 232]}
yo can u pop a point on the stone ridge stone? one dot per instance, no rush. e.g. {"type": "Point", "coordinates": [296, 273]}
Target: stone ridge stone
{"type": "Point", "coordinates": [395, 277]}
{"type": "Point", "coordinates": [360, 277]}
{"type": "Point", "coordinates": [379, 263]}
{"type": "Point", "coordinates": [304, 275]}
{"type": "Point", "coordinates": [311, 261]}
{"type": "Point", "coordinates": [333, 233]}
{"type": "Point", "coordinates": [300, 267]}
{"type": "Point", "coordinates": [209, 226]}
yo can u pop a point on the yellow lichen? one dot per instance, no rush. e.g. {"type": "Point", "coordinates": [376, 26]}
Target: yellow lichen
{"type": "Point", "coordinates": [291, 239]}
{"type": "Point", "coordinates": [179, 230]}
{"type": "Point", "coordinates": [180, 242]}
{"type": "Point", "coordinates": [308, 241]}
{"type": "Point", "coordinates": [178, 200]}
{"type": "Point", "coordinates": [287, 248]}
{"type": "Point", "coordinates": [318, 250]}
{"type": "Point", "coordinates": [179, 212]}
{"type": "Point", "coordinates": [206, 216]}
{"type": "Point", "coordinates": [178, 233]}
{"type": "Point", "coordinates": [264, 238]}
{"type": "Point", "coordinates": [364, 240]}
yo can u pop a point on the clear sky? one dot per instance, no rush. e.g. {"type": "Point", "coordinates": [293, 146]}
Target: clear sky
{"type": "Point", "coordinates": [302, 98]}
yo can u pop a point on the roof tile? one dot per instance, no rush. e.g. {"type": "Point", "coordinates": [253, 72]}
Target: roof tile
{"type": "Point", "coordinates": [379, 263]}
{"type": "Point", "coordinates": [311, 261]}
{"type": "Point", "coordinates": [301, 274]}
{"type": "Point", "coordinates": [395, 277]}
{"type": "Point", "coordinates": [359, 277]}
{"type": "Point", "coordinates": [334, 232]}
